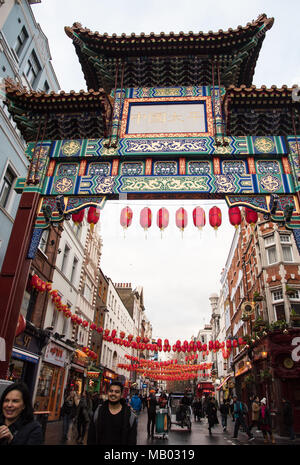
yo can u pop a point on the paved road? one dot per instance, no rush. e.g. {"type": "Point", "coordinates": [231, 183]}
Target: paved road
{"type": "Point", "coordinates": [178, 436]}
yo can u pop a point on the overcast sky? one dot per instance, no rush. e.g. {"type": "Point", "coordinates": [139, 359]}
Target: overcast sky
{"type": "Point", "coordinates": [178, 273]}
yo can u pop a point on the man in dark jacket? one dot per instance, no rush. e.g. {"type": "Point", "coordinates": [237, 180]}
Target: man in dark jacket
{"type": "Point", "coordinates": [113, 423]}
{"type": "Point", "coordinates": [151, 410]}
{"type": "Point", "coordinates": [288, 418]}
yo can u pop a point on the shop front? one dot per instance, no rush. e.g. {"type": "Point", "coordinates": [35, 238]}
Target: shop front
{"type": "Point", "coordinates": [94, 376]}
{"type": "Point", "coordinates": [205, 389]}
{"type": "Point", "coordinates": [51, 381]}
{"type": "Point", "coordinates": [107, 377]}
{"type": "Point", "coordinates": [25, 359]}
{"type": "Point", "coordinates": [78, 372]}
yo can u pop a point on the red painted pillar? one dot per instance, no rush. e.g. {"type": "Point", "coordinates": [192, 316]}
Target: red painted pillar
{"type": "Point", "coordinates": [14, 273]}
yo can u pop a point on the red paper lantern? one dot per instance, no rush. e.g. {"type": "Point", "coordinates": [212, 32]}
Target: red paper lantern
{"type": "Point", "coordinates": [251, 216]}
{"type": "Point", "coordinates": [181, 218]}
{"type": "Point", "coordinates": [93, 216]}
{"type": "Point", "coordinates": [126, 217]}
{"type": "Point", "coordinates": [199, 217]}
{"type": "Point", "coordinates": [162, 218]}
{"type": "Point", "coordinates": [146, 218]}
{"type": "Point", "coordinates": [215, 217]}
{"type": "Point", "coordinates": [235, 216]}
{"type": "Point", "coordinates": [78, 217]}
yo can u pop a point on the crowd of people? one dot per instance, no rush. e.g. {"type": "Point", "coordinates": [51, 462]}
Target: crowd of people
{"type": "Point", "coordinates": [93, 419]}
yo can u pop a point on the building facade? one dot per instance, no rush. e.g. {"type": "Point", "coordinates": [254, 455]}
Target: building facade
{"type": "Point", "coordinates": [25, 58]}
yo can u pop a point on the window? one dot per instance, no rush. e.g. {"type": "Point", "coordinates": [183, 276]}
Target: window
{"type": "Point", "coordinates": [87, 292]}
{"type": "Point", "coordinates": [270, 249]}
{"type": "Point", "coordinates": [285, 240]}
{"type": "Point", "coordinates": [21, 41]}
{"type": "Point", "coordinates": [46, 87]}
{"type": "Point", "coordinates": [74, 269]}
{"type": "Point", "coordinates": [44, 240]}
{"type": "Point", "coordinates": [33, 67]}
{"type": "Point", "coordinates": [278, 307]}
{"type": "Point", "coordinates": [65, 258]}
{"type": "Point", "coordinates": [7, 187]}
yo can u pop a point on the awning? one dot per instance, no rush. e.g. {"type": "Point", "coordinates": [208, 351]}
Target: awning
{"type": "Point", "coordinates": [223, 382]}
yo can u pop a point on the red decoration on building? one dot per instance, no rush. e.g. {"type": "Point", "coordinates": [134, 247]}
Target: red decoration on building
{"type": "Point", "coordinates": [146, 218]}
{"type": "Point", "coordinates": [199, 218]}
{"type": "Point", "coordinates": [162, 218]}
{"type": "Point", "coordinates": [21, 325]}
{"type": "Point", "coordinates": [126, 217]}
{"type": "Point", "coordinates": [215, 217]}
{"type": "Point", "coordinates": [78, 217]}
{"type": "Point", "coordinates": [93, 216]}
{"type": "Point", "coordinates": [251, 216]}
{"type": "Point", "coordinates": [235, 216]}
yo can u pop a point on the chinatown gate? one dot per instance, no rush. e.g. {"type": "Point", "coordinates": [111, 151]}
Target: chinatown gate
{"type": "Point", "coordinates": [165, 117]}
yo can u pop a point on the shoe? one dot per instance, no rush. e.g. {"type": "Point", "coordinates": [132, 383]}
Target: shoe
{"type": "Point", "coordinates": [251, 439]}
{"type": "Point", "coordinates": [234, 437]}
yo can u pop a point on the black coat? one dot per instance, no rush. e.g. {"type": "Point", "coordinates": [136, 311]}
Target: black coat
{"type": "Point", "coordinates": [97, 425]}
{"type": "Point", "coordinates": [211, 411]}
{"type": "Point", "coordinates": [24, 433]}
{"type": "Point", "coordinates": [288, 417]}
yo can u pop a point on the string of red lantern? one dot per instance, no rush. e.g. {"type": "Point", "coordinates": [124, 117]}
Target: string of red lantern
{"type": "Point", "coordinates": [235, 216]}
{"type": "Point", "coordinates": [93, 216]}
{"type": "Point", "coordinates": [139, 343]}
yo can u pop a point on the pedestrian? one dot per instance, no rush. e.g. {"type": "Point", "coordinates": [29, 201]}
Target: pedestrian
{"type": "Point", "coordinates": [144, 401]}
{"type": "Point", "coordinates": [240, 413]}
{"type": "Point", "coordinates": [197, 409]}
{"type": "Point", "coordinates": [82, 417]}
{"type": "Point", "coordinates": [151, 410]}
{"type": "Point", "coordinates": [288, 417]}
{"type": "Point", "coordinates": [255, 408]}
{"type": "Point", "coordinates": [225, 410]}
{"type": "Point", "coordinates": [211, 411]}
{"type": "Point", "coordinates": [231, 407]}
{"type": "Point", "coordinates": [66, 412]}
{"type": "Point", "coordinates": [163, 400]}
{"type": "Point", "coordinates": [17, 424]}
{"type": "Point", "coordinates": [113, 423]}
{"type": "Point", "coordinates": [136, 404]}
{"type": "Point", "coordinates": [265, 421]}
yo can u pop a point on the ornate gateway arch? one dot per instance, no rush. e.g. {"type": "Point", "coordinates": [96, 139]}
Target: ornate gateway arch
{"type": "Point", "coordinates": [164, 116]}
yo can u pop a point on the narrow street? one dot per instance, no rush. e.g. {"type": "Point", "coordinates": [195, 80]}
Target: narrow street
{"type": "Point", "coordinates": [178, 436]}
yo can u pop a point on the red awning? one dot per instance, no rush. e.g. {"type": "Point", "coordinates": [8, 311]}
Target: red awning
{"type": "Point", "coordinates": [223, 382]}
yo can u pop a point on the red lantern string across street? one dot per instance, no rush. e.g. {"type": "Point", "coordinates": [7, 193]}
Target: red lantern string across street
{"type": "Point", "coordinates": [199, 218]}
{"type": "Point", "coordinates": [251, 216]}
{"type": "Point", "coordinates": [215, 217]}
{"type": "Point", "coordinates": [235, 216]}
{"type": "Point", "coordinates": [162, 218]}
{"type": "Point", "coordinates": [93, 216]}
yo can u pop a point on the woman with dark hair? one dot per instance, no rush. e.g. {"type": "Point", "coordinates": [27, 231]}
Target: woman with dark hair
{"type": "Point", "coordinates": [17, 424]}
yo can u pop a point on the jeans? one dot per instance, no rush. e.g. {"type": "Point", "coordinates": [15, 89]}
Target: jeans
{"type": "Point", "coordinates": [224, 421]}
{"type": "Point", "coordinates": [66, 425]}
{"type": "Point", "coordinates": [240, 421]}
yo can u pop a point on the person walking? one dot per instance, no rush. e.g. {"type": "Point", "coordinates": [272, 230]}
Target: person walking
{"type": "Point", "coordinates": [288, 417]}
{"type": "Point", "coordinates": [224, 410]}
{"type": "Point", "coordinates": [17, 424]}
{"type": "Point", "coordinates": [255, 408]}
{"type": "Point", "coordinates": [151, 410]}
{"type": "Point", "coordinates": [83, 418]}
{"type": "Point", "coordinates": [264, 420]}
{"type": "Point", "coordinates": [211, 411]}
{"type": "Point", "coordinates": [113, 423]}
{"type": "Point", "coordinates": [66, 412]}
{"type": "Point", "coordinates": [240, 413]}
{"type": "Point", "coordinates": [136, 404]}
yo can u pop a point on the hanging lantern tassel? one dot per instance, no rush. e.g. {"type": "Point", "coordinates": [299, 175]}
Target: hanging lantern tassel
{"type": "Point", "coordinates": [146, 219]}
{"type": "Point", "coordinates": [126, 218]}
{"type": "Point", "coordinates": [215, 218]}
{"type": "Point", "coordinates": [93, 217]}
{"type": "Point", "coordinates": [181, 219]}
{"type": "Point", "coordinates": [162, 219]}
{"type": "Point", "coordinates": [78, 217]}
{"type": "Point", "coordinates": [199, 218]}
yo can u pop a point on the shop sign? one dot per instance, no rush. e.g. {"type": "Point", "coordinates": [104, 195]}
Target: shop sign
{"type": "Point", "coordinates": [80, 358]}
{"type": "Point", "coordinates": [110, 375]}
{"type": "Point", "coordinates": [27, 342]}
{"type": "Point", "coordinates": [93, 374]}
{"type": "Point", "coordinates": [55, 354]}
